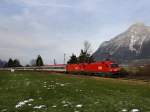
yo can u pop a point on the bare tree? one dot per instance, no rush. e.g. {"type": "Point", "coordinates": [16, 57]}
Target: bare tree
{"type": "Point", "coordinates": [33, 62]}
{"type": "Point", "coordinates": [85, 55]}
{"type": "Point", "coordinates": [87, 47]}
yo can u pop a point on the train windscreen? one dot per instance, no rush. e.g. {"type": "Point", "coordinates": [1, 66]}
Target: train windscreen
{"type": "Point", "coordinates": [114, 65]}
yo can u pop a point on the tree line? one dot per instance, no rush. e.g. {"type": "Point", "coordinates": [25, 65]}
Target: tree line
{"type": "Point", "coordinates": [84, 57]}
{"type": "Point", "coordinates": [16, 62]}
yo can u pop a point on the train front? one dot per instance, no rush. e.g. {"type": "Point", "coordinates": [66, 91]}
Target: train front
{"type": "Point", "coordinates": [114, 69]}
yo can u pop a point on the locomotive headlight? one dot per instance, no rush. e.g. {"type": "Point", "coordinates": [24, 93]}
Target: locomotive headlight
{"type": "Point", "coordinates": [111, 70]}
{"type": "Point", "coordinates": [115, 69]}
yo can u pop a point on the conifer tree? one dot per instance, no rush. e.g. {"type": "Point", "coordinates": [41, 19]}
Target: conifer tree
{"type": "Point", "coordinates": [10, 63]}
{"type": "Point", "coordinates": [39, 61]}
{"type": "Point", "coordinates": [73, 59]}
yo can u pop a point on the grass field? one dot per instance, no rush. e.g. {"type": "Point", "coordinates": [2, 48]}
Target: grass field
{"type": "Point", "coordinates": [50, 92]}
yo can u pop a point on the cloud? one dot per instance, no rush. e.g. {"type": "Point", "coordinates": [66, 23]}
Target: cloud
{"type": "Point", "coordinates": [53, 27]}
{"type": "Point", "coordinates": [42, 4]}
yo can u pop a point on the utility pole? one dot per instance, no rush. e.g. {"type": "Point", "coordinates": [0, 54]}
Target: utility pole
{"type": "Point", "coordinates": [54, 62]}
{"type": "Point", "coordinates": [64, 58]}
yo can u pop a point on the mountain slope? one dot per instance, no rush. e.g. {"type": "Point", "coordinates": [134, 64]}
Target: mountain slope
{"type": "Point", "coordinates": [131, 44]}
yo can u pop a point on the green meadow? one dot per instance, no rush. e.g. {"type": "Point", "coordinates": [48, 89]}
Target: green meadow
{"type": "Point", "coordinates": [28, 91]}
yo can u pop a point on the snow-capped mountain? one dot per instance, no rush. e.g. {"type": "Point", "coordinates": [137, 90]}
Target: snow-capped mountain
{"type": "Point", "coordinates": [129, 45]}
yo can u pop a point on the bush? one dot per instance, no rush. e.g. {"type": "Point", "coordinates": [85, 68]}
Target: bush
{"type": "Point", "coordinates": [143, 71]}
{"type": "Point", "coordinates": [124, 72]}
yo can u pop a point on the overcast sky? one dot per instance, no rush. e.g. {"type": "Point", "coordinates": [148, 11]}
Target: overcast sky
{"type": "Point", "coordinates": [54, 27]}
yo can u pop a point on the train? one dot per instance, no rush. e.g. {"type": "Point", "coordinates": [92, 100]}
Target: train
{"type": "Point", "coordinates": [101, 68]}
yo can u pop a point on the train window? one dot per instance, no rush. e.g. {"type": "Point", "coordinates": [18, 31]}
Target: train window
{"type": "Point", "coordinates": [114, 65]}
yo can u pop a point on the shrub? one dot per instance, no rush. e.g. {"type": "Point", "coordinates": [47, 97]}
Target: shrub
{"type": "Point", "coordinates": [124, 72]}
{"type": "Point", "coordinates": [143, 71]}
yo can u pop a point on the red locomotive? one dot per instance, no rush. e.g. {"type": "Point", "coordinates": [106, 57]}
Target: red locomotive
{"type": "Point", "coordinates": [103, 68]}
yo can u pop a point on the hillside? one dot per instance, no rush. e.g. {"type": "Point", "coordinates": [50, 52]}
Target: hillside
{"type": "Point", "coordinates": [133, 44]}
